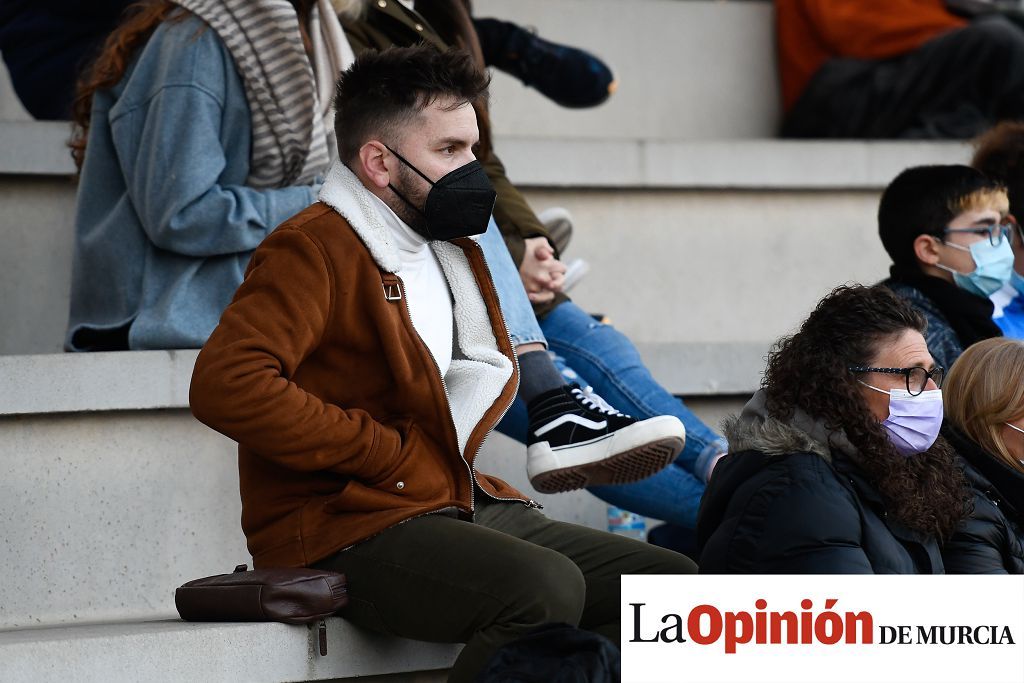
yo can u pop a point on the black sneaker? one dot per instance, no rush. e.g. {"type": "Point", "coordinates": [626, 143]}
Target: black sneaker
{"type": "Point", "coordinates": [578, 440]}
{"type": "Point", "coordinates": [567, 75]}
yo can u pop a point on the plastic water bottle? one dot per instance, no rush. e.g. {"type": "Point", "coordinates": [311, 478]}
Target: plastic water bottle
{"type": "Point", "coordinates": [625, 523]}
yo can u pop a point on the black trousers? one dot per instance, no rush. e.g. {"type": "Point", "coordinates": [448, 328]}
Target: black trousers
{"type": "Point", "coordinates": [492, 581]}
{"type": "Point", "coordinates": [954, 86]}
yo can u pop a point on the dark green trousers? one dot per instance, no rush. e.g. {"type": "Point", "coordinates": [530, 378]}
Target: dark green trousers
{"type": "Point", "coordinates": [488, 582]}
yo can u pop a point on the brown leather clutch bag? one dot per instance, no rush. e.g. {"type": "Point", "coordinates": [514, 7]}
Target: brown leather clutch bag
{"type": "Point", "coordinates": [292, 596]}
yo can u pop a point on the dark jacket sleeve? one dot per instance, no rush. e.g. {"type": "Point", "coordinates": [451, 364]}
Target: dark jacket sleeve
{"type": "Point", "coordinates": [975, 546]}
{"type": "Point", "coordinates": [517, 222]}
{"type": "Point", "coordinates": [798, 522]}
{"type": "Point", "coordinates": [514, 217]}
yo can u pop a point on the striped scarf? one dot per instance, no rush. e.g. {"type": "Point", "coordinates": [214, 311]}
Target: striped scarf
{"type": "Point", "coordinates": [289, 98]}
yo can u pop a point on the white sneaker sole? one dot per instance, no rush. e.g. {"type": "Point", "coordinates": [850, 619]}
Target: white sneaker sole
{"type": "Point", "coordinates": [630, 454]}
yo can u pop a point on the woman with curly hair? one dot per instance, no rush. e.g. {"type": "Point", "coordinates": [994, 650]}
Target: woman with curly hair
{"type": "Point", "coordinates": [984, 402]}
{"type": "Point", "coordinates": [836, 466]}
{"type": "Point", "coordinates": [999, 154]}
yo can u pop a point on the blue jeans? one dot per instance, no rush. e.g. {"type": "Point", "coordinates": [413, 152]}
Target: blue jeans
{"type": "Point", "coordinates": [515, 306]}
{"type": "Point", "coordinates": [598, 355]}
{"type": "Point", "coordinates": [592, 353]}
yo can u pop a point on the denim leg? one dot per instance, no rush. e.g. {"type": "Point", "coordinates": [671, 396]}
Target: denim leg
{"type": "Point", "coordinates": [612, 365]}
{"type": "Point", "coordinates": [515, 424]}
{"type": "Point", "coordinates": [672, 495]}
{"type": "Point", "coordinates": [595, 354]}
{"type": "Point", "coordinates": [515, 306]}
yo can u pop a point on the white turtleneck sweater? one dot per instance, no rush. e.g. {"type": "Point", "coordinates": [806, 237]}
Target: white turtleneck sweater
{"type": "Point", "coordinates": [426, 290]}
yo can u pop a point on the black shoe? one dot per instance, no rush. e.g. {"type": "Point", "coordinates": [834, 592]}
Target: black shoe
{"type": "Point", "coordinates": [578, 440]}
{"type": "Point", "coordinates": [567, 75]}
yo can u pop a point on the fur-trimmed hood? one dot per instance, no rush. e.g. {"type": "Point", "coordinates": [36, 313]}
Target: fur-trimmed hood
{"type": "Point", "coordinates": [754, 430]}
{"type": "Point", "coordinates": [789, 498]}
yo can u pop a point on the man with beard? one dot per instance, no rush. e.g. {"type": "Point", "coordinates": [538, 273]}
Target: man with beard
{"type": "Point", "coordinates": [360, 367]}
{"type": "Point", "coordinates": [837, 466]}
{"type": "Point", "coordinates": [596, 355]}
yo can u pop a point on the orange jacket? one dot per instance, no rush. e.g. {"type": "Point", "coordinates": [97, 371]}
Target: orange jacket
{"type": "Point", "coordinates": [809, 32]}
{"type": "Point", "coordinates": [345, 426]}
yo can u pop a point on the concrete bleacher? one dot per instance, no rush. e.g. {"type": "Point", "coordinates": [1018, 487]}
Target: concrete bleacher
{"type": "Point", "coordinates": [113, 495]}
{"type": "Point", "coordinates": [172, 652]}
{"type": "Point", "coordinates": [772, 225]}
{"type": "Point", "coordinates": [680, 157]}
{"type": "Point", "coordinates": [706, 239]}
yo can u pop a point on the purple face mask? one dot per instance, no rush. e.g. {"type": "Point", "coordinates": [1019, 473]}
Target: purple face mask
{"type": "Point", "coordinates": [914, 421]}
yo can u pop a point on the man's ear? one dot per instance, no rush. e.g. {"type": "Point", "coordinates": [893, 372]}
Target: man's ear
{"type": "Point", "coordinates": [926, 249]}
{"type": "Point", "coordinates": [371, 160]}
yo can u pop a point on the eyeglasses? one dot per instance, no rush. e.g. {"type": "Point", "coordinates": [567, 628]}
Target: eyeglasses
{"type": "Point", "coordinates": [995, 233]}
{"type": "Point", "coordinates": [917, 378]}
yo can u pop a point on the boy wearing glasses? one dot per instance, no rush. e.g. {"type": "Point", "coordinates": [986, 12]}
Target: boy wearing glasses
{"type": "Point", "coordinates": [1000, 156]}
{"type": "Point", "coordinates": [947, 232]}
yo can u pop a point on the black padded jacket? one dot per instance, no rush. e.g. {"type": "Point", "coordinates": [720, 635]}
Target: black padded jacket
{"type": "Point", "coordinates": [783, 503]}
{"type": "Point", "coordinates": [991, 540]}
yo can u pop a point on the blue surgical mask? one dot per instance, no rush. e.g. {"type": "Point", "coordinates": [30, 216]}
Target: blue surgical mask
{"type": "Point", "coordinates": [993, 267]}
{"type": "Point", "coordinates": [1017, 280]}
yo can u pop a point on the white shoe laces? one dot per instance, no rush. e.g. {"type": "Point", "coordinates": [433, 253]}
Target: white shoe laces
{"type": "Point", "coordinates": [590, 398]}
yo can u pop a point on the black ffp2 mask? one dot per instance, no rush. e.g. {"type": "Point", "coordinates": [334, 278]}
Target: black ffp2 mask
{"type": "Point", "coordinates": [459, 203]}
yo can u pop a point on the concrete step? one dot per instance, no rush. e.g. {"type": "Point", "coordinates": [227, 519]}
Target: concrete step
{"type": "Point", "coordinates": [722, 241]}
{"type": "Point", "coordinates": [673, 96]}
{"type": "Point", "coordinates": [698, 70]}
{"type": "Point", "coordinates": [605, 161]}
{"type": "Point", "coordinates": [178, 652]}
{"type": "Point", "coordinates": [116, 494]}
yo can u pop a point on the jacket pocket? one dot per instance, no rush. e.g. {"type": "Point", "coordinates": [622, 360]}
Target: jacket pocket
{"type": "Point", "coordinates": [420, 478]}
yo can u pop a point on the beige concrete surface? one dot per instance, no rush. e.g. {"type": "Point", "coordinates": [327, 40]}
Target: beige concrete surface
{"type": "Point", "coordinates": [176, 652]}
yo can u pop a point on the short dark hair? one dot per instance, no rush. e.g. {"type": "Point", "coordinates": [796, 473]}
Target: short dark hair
{"type": "Point", "coordinates": [923, 200]}
{"type": "Point", "coordinates": [1000, 156]}
{"type": "Point", "coordinates": [383, 90]}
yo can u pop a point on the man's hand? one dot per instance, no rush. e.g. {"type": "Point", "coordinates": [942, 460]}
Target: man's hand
{"type": "Point", "coordinates": [543, 275]}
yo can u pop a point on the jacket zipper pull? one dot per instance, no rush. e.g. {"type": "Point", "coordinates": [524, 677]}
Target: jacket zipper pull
{"type": "Point", "coordinates": [322, 633]}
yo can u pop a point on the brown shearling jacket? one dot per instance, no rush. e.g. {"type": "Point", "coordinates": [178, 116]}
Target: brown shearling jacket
{"type": "Point", "coordinates": [345, 426]}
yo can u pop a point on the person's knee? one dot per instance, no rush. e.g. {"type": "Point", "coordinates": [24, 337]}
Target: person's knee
{"type": "Point", "coordinates": [665, 561]}
{"type": "Point", "coordinates": [994, 36]}
{"type": "Point", "coordinates": [550, 588]}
